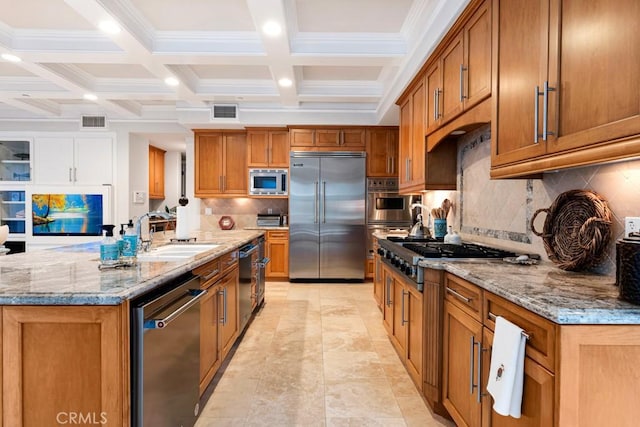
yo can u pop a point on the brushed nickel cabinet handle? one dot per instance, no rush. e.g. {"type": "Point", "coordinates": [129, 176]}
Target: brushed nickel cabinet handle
{"type": "Point", "coordinates": [462, 70]}
{"type": "Point", "coordinates": [458, 295]}
{"type": "Point", "coordinates": [545, 110]}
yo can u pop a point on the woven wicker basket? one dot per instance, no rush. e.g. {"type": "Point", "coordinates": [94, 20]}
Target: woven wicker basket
{"type": "Point", "coordinates": [577, 229]}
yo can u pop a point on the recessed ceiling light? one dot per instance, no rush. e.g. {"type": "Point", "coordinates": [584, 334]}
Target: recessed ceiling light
{"type": "Point", "coordinates": [11, 58]}
{"type": "Point", "coordinates": [172, 81]}
{"type": "Point", "coordinates": [109, 27]}
{"type": "Point", "coordinates": [272, 28]}
{"type": "Point", "coordinates": [285, 82]}
{"type": "Point", "coordinates": [90, 97]}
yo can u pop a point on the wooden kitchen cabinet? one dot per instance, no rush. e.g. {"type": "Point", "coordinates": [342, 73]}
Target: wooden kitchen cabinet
{"type": "Point", "coordinates": [378, 284]}
{"type": "Point", "coordinates": [65, 359]}
{"type": "Point", "coordinates": [228, 313]}
{"type": "Point", "coordinates": [267, 148]}
{"type": "Point", "coordinates": [327, 138]}
{"type": "Point", "coordinates": [460, 77]}
{"type": "Point", "coordinates": [388, 295]}
{"type": "Point", "coordinates": [209, 349]}
{"type": "Point", "coordinates": [277, 250]}
{"type": "Point", "coordinates": [590, 114]}
{"type": "Point", "coordinates": [382, 151]}
{"type": "Point", "coordinates": [461, 352]}
{"type": "Point", "coordinates": [156, 172]}
{"type": "Point", "coordinates": [220, 164]}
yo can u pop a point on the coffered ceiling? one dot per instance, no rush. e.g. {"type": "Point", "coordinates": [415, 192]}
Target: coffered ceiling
{"type": "Point", "coordinates": [347, 60]}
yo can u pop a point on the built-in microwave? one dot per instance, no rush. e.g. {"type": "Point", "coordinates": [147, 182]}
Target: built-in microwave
{"type": "Point", "coordinates": [268, 182]}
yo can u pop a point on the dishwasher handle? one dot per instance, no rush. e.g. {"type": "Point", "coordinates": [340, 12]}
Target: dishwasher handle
{"type": "Point", "coordinates": [195, 296]}
{"type": "Point", "coordinates": [247, 250]}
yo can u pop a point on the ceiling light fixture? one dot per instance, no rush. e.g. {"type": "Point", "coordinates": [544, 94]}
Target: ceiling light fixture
{"type": "Point", "coordinates": [285, 82]}
{"type": "Point", "coordinates": [172, 81]}
{"type": "Point", "coordinates": [90, 97]}
{"type": "Point", "coordinates": [272, 28]}
{"type": "Point", "coordinates": [11, 58]}
{"type": "Point", "coordinates": [109, 27]}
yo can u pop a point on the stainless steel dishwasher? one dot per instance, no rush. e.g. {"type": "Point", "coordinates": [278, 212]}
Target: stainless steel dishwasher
{"type": "Point", "coordinates": [248, 259]}
{"type": "Point", "coordinates": [165, 355]}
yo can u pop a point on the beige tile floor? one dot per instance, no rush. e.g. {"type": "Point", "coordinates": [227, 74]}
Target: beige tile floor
{"type": "Point", "coordinates": [316, 355]}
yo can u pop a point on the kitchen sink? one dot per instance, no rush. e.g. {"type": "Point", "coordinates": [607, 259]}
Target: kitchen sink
{"type": "Point", "coordinates": [176, 252]}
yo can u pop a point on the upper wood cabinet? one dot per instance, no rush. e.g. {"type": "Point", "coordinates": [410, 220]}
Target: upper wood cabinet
{"type": "Point", "coordinates": [577, 99]}
{"type": "Point", "coordinates": [460, 77]}
{"type": "Point", "coordinates": [327, 138]}
{"type": "Point", "coordinates": [156, 172]}
{"type": "Point", "coordinates": [267, 148]}
{"type": "Point", "coordinates": [382, 151]}
{"type": "Point", "coordinates": [220, 163]}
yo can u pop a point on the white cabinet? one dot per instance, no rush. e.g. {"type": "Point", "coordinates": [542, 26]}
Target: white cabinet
{"type": "Point", "coordinates": [73, 160]}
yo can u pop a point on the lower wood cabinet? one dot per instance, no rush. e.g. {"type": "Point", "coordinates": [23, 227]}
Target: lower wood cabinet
{"type": "Point", "coordinates": [209, 349]}
{"type": "Point", "coordinates": [277, 250]}
{"type": "Point", "coordinates": [61, 361]}
{"type": "Point", "coordinates": [378, 292]}
{"type": "Point", "coordinates": [228, 311]}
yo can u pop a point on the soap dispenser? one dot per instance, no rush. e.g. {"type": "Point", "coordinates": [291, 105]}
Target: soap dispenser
{"type": "Point", "coordinates": [130, 245]}
{"type": "Point", "coordinates": [108, 246]}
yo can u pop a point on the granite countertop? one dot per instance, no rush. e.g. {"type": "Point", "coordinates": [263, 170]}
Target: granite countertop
{"type": "Point", "coordinates": [281, 227]}
{"type": "Point", "coordinates": [69, 275]}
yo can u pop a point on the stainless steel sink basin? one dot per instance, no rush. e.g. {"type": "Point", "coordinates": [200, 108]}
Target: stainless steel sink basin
{"type": "Point", "coordinates": [176, 252]}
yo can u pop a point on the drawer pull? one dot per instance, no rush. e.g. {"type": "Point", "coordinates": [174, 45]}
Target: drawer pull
{"type": "Point", "coordinates": [458, 295]}
{"type": "Point", "coordinates": [493, 317]}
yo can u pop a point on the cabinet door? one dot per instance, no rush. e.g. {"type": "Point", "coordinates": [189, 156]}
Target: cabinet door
{"type": "Point", "coordinates": [302, 137]}
{"type": "Point", "coordinates": [278, 254]}
{"type": "Point", "coordinates": [235, 175]}
{"type": "Point", "coordinates": [378, 292]}
{"type": "Point", "coordinates": [353, 138]}
{"type": "Point", "coordinates": [228, 312]}
{"type": "Point", "coordinates": [382, 154]}
{"type": "Point", "coordinates": [279, 149]}
{"type": "Point", "coordinates": [328, 137]}
{"type": "Point", "coordinates": [520, 48]}
{"type": "Point", "coordinates": [537, 395]}
{"type": "Point", "coordinates": [156, 173]}
{"type": "Point", "coordinates": [399, 337]}
{"type": "Point", "coordinates": [208, 164]}
{"type": "Point", "coordinates": [414, 346]}
{"type": "Point", "coordinates": [388, 298]}
{"type": "Point", "coordinates": [209, 352]}
{"type": "Point", "coordinates": [406, 123]}
{"type": "Point", "coordinates": [93, 161]}
{"type": "Point", "coordinates": [596, 78]}
{"type": "Point", "coordinates": [258, 149]}
{"type": "Point", "coordinates": [462, 336]}
{"type": "Point", "coordinates": [433, 107]}
{"type": "Point", "coordinates": [452, 62]}
{"type": "Point", "coordinates": [53, 161]}
{"type": "Point", "coordinates": [417, 161]}
{"type": "Point", "coordinates": [477, 56]}
{"type": "Point", "coordinates": [57, 359]}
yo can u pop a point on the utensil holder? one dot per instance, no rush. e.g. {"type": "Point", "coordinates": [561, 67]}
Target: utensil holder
{"type": "Point", "coordinates": [439, 227]}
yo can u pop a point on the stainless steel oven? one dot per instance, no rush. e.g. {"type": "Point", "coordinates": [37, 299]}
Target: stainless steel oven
{"type": "Point", "coordinates": [385, 205]}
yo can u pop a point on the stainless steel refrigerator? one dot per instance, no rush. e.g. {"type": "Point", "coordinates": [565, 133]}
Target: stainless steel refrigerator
{"type": "Point", "coordinates": [327, 231]}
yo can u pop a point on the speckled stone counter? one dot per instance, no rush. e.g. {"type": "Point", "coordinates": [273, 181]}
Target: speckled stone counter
{"type": "Point", "coordinates": [561, 296]}
{"type": "Point", "coordinates": [69, 275]}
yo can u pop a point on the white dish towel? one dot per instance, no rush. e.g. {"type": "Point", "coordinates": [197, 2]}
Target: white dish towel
{"type": "Point", "coordinates": [506, 375]}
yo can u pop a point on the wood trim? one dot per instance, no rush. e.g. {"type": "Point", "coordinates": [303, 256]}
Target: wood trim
{"type": "Point", "coordinates": [610, 151]}
{"type": "Point", "coordinates": [470, 119]}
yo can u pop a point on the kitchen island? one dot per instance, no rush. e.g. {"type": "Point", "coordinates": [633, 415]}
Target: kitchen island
{"type": "Point", "coordinates": [65, 330]}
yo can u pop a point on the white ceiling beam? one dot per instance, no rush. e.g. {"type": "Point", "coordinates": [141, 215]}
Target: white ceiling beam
{"type": "Point", "coordinates": [276, 48]}
{"type": "Point", "coordinates": [39, 107]}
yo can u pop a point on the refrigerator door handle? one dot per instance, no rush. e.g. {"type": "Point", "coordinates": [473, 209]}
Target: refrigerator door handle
{"type": "Point", "coordinates": [316, 203]}
{"type": "Point", "coordinates": [324, 202]}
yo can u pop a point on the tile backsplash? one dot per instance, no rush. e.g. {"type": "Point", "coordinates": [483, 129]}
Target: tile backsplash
{"type": "Point", "coordinates": [242, 210]}
{"type": "Point", "coordinates": [499, 212]}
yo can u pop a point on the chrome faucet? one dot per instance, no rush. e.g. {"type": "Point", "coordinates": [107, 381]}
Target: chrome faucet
{"type": "Point", "coordinates": [143, 244]}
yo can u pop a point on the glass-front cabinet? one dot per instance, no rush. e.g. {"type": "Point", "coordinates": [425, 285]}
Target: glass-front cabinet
{"type": "Point", "coordinates": [12, 210]}
{"type": "Point", "coordinates": [15, 160]}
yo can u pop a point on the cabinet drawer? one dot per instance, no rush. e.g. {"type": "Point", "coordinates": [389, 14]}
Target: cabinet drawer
{"type": "Point", "coordinates": [542, 332]}
{"type": "Point", "coordinates": [465, 295]}
{"type": "Point", "coordinates": [209, 273]}
{"type": "Point", "coordinates": [273, 235]}
{"type": "Point", "coordinates": [228, 261]}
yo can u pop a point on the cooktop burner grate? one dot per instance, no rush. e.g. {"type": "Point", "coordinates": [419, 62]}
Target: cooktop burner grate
{"type": "Point", "coordinates": [466, 250]}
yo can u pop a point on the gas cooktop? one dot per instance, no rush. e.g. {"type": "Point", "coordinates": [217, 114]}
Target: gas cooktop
{"type": "Point", "coordinates": [465, 250]}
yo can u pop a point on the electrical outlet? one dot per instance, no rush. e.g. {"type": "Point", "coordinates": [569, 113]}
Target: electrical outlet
{"type": "Point", "coordinates": [631, 224]}
{"type": "Point", "coordinates": [269, 211]}
{"type": "Point", "coordinates": [208, 211]}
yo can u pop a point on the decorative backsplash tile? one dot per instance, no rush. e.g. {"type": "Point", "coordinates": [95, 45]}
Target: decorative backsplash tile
{"type": "Point", "coordinates": [242, 210]}
{"type": "Point", "coordinates": [499, 211]}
